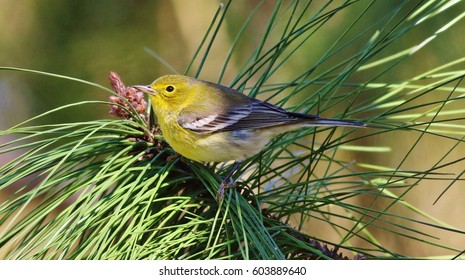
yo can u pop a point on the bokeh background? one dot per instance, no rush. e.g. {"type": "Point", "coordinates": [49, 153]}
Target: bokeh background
{"type": "Point", "coordinates": [87, 39]}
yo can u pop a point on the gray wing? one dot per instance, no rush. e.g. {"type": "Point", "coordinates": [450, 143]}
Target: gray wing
{"type": "Point", "coordinates": [250, 115]}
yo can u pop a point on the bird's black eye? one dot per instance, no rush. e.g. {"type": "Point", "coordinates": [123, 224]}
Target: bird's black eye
{"type": "Point", "coordinates": [169, 88]}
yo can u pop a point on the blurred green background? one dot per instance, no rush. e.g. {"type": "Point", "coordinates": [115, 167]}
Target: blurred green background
{"type": "Point", "coordinates": [87, 39]}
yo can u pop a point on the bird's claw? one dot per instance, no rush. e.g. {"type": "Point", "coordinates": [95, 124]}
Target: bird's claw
{"type": "Point", "coordinates": [222, 188]}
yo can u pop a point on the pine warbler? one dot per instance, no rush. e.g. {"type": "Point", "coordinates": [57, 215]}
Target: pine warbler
{"type": "Point", "coordinates": [207, 122]}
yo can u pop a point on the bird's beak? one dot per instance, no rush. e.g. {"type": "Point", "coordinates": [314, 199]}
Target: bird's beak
{"type": "Point", "coordinates": [145, 89]}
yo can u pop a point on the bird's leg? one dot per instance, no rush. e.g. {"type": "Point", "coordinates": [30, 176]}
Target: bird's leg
{"type": "Point", "coordinates": [224, 184]}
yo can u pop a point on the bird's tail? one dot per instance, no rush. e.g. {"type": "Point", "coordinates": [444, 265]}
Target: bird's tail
{"type": "Point", "coordinates": [317, 121]}
{"type": "Point", "coordinates": [313, 120]}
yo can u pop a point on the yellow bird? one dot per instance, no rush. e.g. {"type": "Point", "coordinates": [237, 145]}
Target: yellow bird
{"type": "Point", "coordinates": [208, 122]}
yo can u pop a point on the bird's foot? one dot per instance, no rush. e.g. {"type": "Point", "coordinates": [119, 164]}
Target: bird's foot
{"type": "Point", "coordinates": [172, 157]}
{"type": "Point", "coordinates": [224, 185]}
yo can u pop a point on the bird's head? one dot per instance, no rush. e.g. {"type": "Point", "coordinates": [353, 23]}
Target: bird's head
{"type": "Point", "coordinates": [170, 93]}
